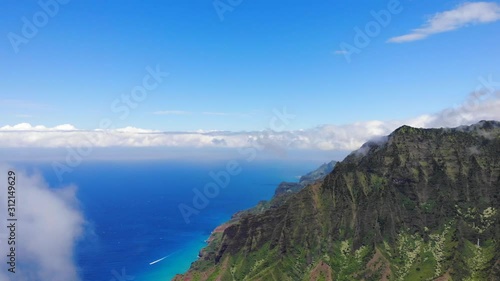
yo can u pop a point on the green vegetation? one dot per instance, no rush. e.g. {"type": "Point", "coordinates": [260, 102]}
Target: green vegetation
{"type": "Point", "coordinates": [421, 206]}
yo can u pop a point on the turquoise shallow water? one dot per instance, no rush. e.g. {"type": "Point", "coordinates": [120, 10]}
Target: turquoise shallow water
{"type": "Point", "coordinates": [175, 262]}
{"type": "Point", "coordinates": [133, 215]}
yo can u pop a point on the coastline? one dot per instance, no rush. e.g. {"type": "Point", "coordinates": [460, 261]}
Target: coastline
{"type": "Point", "coordinates": [178, 262]}
{"type": "Point", "coordinates": [283, 191]}
{"type": "Point", "coordinates": [207, 246]}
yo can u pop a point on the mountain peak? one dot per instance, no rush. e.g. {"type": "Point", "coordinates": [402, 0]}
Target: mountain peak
{"type": "Point", "coordinates": [486, 125]}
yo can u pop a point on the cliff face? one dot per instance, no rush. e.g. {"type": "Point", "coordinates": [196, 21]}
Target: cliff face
{"type": "Point", "coordinates": [421, 205]}
{"type": "Point", "coordinates": [285, 190]}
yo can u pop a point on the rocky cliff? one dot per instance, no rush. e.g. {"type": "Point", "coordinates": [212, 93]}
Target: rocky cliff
{"type": "Point", "coordinates": [420, 205]}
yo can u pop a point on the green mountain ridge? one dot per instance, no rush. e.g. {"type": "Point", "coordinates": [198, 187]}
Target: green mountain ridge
{"type": "Point", "coordinates": [421, 204]}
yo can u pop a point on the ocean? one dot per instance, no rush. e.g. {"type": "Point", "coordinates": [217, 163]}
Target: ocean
{"type": "Point", "coordinates": [135, 230]}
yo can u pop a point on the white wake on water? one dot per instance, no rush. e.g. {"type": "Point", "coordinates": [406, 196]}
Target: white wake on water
{"type": "Point", "coordinates": [159, 260]}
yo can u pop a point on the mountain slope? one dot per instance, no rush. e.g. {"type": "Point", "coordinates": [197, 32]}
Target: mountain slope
{"type": "Point", "coordinates": [421, 205]}
{"type": "Point", "coordinates": [286, 189]}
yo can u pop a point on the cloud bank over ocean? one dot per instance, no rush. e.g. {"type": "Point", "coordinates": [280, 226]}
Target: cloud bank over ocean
{"type": "Point", "coordinates": [325, 137]}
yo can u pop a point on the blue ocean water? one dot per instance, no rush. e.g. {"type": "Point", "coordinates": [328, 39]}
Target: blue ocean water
{"type": "Point", "coordinates": [133, 215]}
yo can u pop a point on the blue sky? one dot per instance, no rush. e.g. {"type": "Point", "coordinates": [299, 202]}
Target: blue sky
{"type": "Point", "coordinates": [262, 56]}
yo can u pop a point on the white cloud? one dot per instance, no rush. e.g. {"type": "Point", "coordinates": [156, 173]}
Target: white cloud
{"type": "Point", "coordinates": [226, 114]}
{"type": "Point", "coordinates": [65, 127]}
{"type": "Point", "coordinates": [29, 127]}
{"type": "Point", "coordinates": [49, 224]}
{"type": "Point", "coordinates": [463, 15]}
{"type": "Point", "coordinates": [134, 130]}
{"type": "Point", "coordinates": [236, 114]}
{"type": "Point", "coordinates": [326, 137]}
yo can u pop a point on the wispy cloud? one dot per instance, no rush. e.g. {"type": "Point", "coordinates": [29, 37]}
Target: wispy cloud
{"type": "Point", "coordinates": [182, 112]}
{"type": "Point", "coordinates": [171, 112]}
{"type": "Point", "coordinates": [225, 114]}
{"type": "Point", "coordinates": [327, 137]}
{"type": "Point", "coordinates": [341, 52]}
{"type": "Point", "coordinates": [215, 113]}
{"type": "Point", "coordinates": [24, 104]}
{"type": "Point", "coordinates": [463, 15]}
